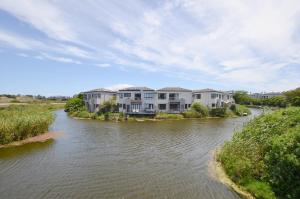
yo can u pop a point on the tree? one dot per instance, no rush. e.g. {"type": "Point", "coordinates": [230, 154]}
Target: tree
{"type": "Point", "coordinates": [75, 104]}
{"type": "Point", "coordinates": [200, 108]}
{"type": "Point", "coordinates": [242, 97]}
{"type": "Point", "coordinates": [293, 97]}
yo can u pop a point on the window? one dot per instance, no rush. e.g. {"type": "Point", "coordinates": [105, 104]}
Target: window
{"type": "Point", "coordinates": [99, 95]}
{"type": "Point", "coordinates": [124, 106]}
{"type": "Point", "coordinates": [162, 96]}
{"type": "Point", "coordinates": [121, 95]}
{"type": "Point", "coordinates": [185, 106]}
{"type": "Point", "coordinates": [148, 95]}
{"type": "Point", "coordinates": [198, 96]}
{"type": "Point", "coordinates": [127, 94]}
{"type": "Point", "coordinates": [213, 105]}
{"type": "Point", "coordinates": [137, 96]}
{"type": "Point", "coordinates": [173, 96]}
{"type": "Point", "coordinates": [150, 106]}
{"type": "Point", "coordinates": [214, 96]}
{"type": "Point", "coordinates": [120, 105]}
{"type": "Point", "coordinates": [162, 106]}
{"type": "Point", "coordinates": [189, 105]}
{"type": "Point", "coordinates": [85, 96]}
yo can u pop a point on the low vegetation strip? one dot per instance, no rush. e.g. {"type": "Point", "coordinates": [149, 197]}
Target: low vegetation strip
{"type": "Point", "coordinates": [21, 122]}
{"type": "Point", "coordinates": [265, 156]}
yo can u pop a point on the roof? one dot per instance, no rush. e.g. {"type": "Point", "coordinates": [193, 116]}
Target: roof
{"type": "Point", "coordinates": [174, 89]}
{"type": "Point", "coordinates": [137, 89]}
{"type": "Point", "coordinates": [206, 90]}
{"type": "Point", "coordinates": [100, 90]}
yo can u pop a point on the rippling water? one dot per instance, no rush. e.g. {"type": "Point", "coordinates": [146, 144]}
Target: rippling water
{"type": "Point", "coordinates": [93, 159]}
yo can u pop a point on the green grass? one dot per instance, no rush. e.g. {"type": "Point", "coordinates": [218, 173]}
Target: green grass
{"type": "Point", "coordinates": [20, 122]}
{"type": "Point", "coordinates": [265, 156]}
{"type": "Point", "coordinates": [168, 116]}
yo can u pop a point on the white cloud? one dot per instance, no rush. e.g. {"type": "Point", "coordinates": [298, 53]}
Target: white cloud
{"type": "Point", "coordinates": [60, 59]}
{"type": "Point", "coordinates": [248, 43]}
{"type": "Point", "coordinates": [118, 86]}
{"type": "Point", "coordinates": [103, 65]}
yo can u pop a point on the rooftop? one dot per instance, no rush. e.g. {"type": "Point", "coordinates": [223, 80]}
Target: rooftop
{"type": "Point", "coordinates": [206, 90]}
{"type": "Point", "coordinates": [174, 89]}
{"type": "Point", "coordinates": [137, 89]}
{"type": "Point", "coordinates": [100, 90]}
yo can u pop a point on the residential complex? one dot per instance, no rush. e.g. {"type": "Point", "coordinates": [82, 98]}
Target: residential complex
{"type": "Point", "coordinates": [265, 95]}
{"type": "Point", "coordinates": [143, 100]}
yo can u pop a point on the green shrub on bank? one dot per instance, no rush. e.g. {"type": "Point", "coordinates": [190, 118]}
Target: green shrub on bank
{"type": "Point", "coordinates": [240, 110]}
{"type": "Point", "coordinates": [162, 115]}
{"type": "Point", "coordinates": [266, 153]}
{"type": "Point", "coordinates": [75, 104]}
{"type": "Point", "coordinates": [20, 122]}
{"type": "Point", "coordinates": [200, 108]}
{"type": "Point", "coordinates": [191, 114]}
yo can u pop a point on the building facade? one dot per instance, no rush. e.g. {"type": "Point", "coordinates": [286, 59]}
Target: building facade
{"type": "Point", "coordinates": [173, 99]}
{"type": "Point", "coordinates": [144, 100]}
{"type": "Point", "coordinates": [94, 98]}
{"type": "Point", "coordinates": [137, 100]}
{"type": "Point", "coordinates": [265, 95]}
{"type": "Point", "coordinates": [213, 98]}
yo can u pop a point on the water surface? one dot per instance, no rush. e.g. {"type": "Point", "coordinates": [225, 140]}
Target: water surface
{"type": "Point", "coordinates": [93, 159]}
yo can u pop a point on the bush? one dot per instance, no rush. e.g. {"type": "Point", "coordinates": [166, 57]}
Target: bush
{"type": "Point", "coordinates": [168, 116]}
{"type": "Point", "coordinates": [20, 122]}
{"type": "Point", "coordinates": [218, 112]}
{"type": "Point", "coordinates": [267, 150]}
{"type": "Point", "coordinates": [108, 106]}
{"type": "Point", "coordinates": [191, 114]}
{"type": "Point", "coordinates": [240, 110]}
{"type": "Point", "coordinates": [200, 108]}
{"type": "Point", "coordinates": [75, 104]}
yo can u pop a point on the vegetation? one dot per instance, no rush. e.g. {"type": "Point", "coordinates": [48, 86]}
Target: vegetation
{"type": "Point", "coordinates": [240, 110]}
{"type": "Point", "coordinates": [265, 156]}
{"type": "Point", "coordinates": [20, 122]}
{"type": "Point", "coordinates": [293, 97]}
{"type": "Point", "coordinates": [168, 116]}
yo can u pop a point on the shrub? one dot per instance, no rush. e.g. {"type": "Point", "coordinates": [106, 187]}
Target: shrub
{"type": "Point", "coordinates": [200, 108]}
{"type": "Point", "coordinates": [168, 116]}
{"type": "Point", "coordinates": [267, 151]}
{"type": "Point", "coordinates": [75, 104]}
{"type": "Point", "coordinates": [240, 110]}
{"type": "Point", "coordinates": [191, 114]}
{"type": "Point", "coordinates": [218, 112]}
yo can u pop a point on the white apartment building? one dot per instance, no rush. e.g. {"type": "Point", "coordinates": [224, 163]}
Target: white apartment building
{"type": "Point", "coordinates": [144, 100]}
{"type": "Point", "coordinates": [212, 98]}
{"type": "Point", "coordinates": [173, 99]}
{"type": "Point", "coordinates": [265, 95]}
{"type": "Point", "coordinates": [137, 100]}
{"type": "Point", "coordinates": [94, 98]}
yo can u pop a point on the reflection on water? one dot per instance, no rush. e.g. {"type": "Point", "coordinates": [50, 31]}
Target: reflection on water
{"type": "Point", "coordinates": [165, 159]}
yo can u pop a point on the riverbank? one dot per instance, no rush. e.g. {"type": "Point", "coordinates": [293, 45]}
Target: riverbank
{"type": "Point", "coordinates": [39, 138]}
{"type": "Point", "coordinates": [20, 122]}
{"type": "Point", "coordinates": [217, 171]}
{"type": "Point", "coordinates": [263, 158]}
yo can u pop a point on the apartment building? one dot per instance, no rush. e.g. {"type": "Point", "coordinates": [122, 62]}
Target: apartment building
{"type": "Point", "coordinates": [212, 98]}
{"type": "Point", "coordinates": [94, 98]}
{"type": "Point", "coordinates": [137, 100]}
{"type": "Point", "coordinates": [173, 99]}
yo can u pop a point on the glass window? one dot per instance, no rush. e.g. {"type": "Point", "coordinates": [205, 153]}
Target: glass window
{"type": "Point", "coordinates": [121, 95]}
{"type": "Point", "coordinates": [173, 96]}
{"type": "Point", "coordinates": [214, 95]}
{"type": "Point", "coordinates": [127, 94]}
{"type": "Point", "coordinates": [99, 95]}
{"type": "Point", "coordinates": [185, 106]}
{"type": "Point", "coordinates": [124, 106]}
{"type": "Point", "coordinates": [162, 106]}
{"type": "Point", "coordinates": [198, 96]}
{"type": "Point", "coordinates": [162, 96]}
{"type": "Point", "coordinates": [148, 95]}
{"type": "Point", "coordinates": [213, 105]}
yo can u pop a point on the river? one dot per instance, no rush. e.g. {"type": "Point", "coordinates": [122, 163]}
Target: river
{"type": "Point", "coordinates": [126, 160]}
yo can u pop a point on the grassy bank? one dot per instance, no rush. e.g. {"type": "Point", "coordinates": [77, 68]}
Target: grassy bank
{"type": "Point", "coordinates": [265, 156]}
{"type": "Point", "coordinates": [21, 122]}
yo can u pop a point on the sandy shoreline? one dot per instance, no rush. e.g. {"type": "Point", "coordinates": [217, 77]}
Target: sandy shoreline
{"type": "Point", "coordinates": [39, 138]}
{"type": "Point", "coordinates": [216, 170]}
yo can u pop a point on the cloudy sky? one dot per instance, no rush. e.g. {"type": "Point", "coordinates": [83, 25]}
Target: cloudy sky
{"type": "Point", "coordinates": [63, 47]}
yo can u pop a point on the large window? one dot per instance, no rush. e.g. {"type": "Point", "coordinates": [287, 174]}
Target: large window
{"type": "Point", "coordinates": [173, 96]}
{"type": "Point", "coordinates": [214, 95]}
{"type": "Point", "coordinates": [197, 96]}
{"type": "Point", "coordinates": [162, 96]}
{"type": "Point", "coordinates": [148, 95]}
{"type": "Point", "coordinates": [127, 94]}
{"type": "Point", "coordinates": [137, 96]}
{"type": "Point", "coordinates": [162, 106]}
{"type": "Point", "coordinates": [121, 95]}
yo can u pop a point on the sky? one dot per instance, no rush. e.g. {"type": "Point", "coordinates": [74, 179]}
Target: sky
{"type": "Point", "coordinates": [54, 47]}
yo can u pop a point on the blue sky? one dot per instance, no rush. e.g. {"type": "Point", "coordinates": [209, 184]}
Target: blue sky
{"type": "Point", "coordinates": [64, 47]}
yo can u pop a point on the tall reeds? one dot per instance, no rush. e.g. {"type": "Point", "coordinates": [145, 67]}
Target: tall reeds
{"type": "Point", "coordinates": [20, 122]}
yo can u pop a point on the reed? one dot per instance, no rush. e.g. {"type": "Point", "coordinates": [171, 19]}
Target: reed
{"type": "Point", "coordinates": [20, 122]}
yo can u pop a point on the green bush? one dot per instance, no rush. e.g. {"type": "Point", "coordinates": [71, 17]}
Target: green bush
{"type": "Point", "coordinates": [218, 112]}
{"type": "Point", "coordinates": [75, 104]}
{"type": "Point", "coordinates": [191, 114]}
{"type": "Point", "coordinates": [20, 122]}
{"type": "Point", "coordinates": [267, 150]}
{"type": "Point", "coordinates": [200, 108]}
{"type": "Point", "coordinates": [240, 110]}
{"type": "Point", "coordinates": [168, 116]}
